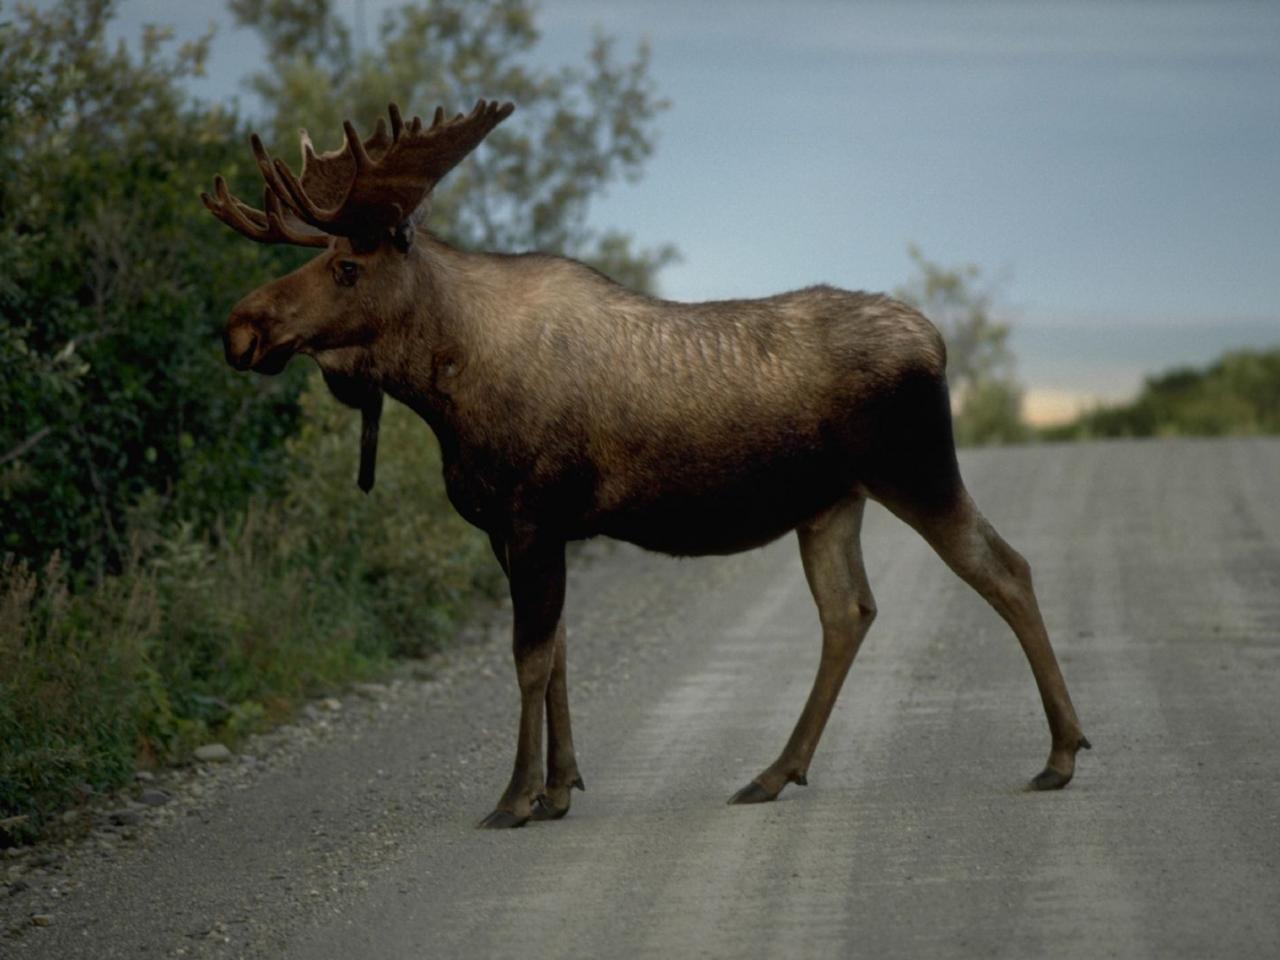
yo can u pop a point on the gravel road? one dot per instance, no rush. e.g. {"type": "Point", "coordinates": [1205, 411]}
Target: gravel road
{"type": "Point", "coordinates": [1158, 569]}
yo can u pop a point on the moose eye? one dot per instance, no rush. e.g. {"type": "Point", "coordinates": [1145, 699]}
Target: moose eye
{"type": "Point", "coordinates": [346, 273]}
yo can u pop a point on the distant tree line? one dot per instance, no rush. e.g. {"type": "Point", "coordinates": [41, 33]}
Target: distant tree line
{"type": "Point", "coordinates": [1236, 395]}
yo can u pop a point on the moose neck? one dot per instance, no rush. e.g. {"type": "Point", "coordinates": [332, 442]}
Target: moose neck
{"type": "Point", "coordinates": [422, 358]}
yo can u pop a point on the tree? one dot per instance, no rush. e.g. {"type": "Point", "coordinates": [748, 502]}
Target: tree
{"type": "Point", "coordinates": [113, 292]}
{"type": "Point", "coordinates": [985, 394]}
{"type": "Point", "coordinates": [575, 130]}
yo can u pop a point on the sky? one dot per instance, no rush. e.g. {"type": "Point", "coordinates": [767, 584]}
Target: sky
{"type": "Point", "coordinates": [1112, 167]}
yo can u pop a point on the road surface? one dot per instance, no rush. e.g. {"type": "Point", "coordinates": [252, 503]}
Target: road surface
{"type": "Point", "coordinates": [1158, 569]}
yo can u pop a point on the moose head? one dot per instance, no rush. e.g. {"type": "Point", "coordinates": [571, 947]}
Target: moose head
{"type": "Point", "coordinates": [361, 204]}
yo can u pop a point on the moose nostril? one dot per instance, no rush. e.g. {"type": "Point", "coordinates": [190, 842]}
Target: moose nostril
{"type": "Point", "coordinates": [241, 343]}
{"type": "Point", "coordinates": [246, 358]}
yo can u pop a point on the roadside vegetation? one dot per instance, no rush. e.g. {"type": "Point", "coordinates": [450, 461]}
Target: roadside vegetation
{"type": "Point", "coordinates": [184, 551]}
{"type": "Point", "coordinates": [1236, 395]}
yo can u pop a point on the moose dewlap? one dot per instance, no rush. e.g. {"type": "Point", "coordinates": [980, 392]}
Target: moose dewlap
{"type": "Point", "coordinates": [567, 407]}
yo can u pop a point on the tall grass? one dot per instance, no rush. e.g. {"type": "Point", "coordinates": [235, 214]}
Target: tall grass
{"type": "Point", "coordinates": [77, 692]}
{"type": "Point", "coordinates": [212, 636]}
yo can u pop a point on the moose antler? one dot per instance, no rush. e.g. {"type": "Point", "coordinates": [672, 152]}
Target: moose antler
{"type": "Point", "coordinates": [364, 187]}
{"type": "Point", "coordinates": [272, 224]}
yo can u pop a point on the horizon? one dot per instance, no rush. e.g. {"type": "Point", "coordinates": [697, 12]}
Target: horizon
{"type": "Point", "coordinates": [1114, 169]}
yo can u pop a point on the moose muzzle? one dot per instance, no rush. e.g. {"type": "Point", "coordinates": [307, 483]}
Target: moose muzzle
{"type": "Point", "coordinates": [248, 345]}
{"type": "Point", "coordinates": [240, 340]}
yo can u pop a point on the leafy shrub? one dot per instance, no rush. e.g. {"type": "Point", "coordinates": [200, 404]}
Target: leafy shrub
{"type": "Point", "coordinates": [114, 290]}
{"type": "Point", "coordinates": [204, 635]}
{"type": "Point", "coordinates": [1238, 394]}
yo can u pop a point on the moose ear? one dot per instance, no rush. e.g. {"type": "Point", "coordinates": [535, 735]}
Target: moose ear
{"type": "Point", "coordinates": [402, 236]}
{"type": "Point", "coordinates": [363, 396]}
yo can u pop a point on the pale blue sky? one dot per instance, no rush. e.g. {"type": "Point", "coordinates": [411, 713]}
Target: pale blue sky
{"type": "Point", "coordinates": [1117, 164]}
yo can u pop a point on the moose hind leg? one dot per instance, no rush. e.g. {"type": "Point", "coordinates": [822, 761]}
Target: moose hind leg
{"type": "Point", "coordinates": [562, 764]}
{"type": "Point", "coordinates": [972, 548]}
{"type": "Point", "coordinates": [832, 557]}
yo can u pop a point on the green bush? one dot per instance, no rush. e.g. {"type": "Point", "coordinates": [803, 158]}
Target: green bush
{"type": "Point", "coordinates": [1238, 394]}
{"type": "Point", "coordinates": [115, 287]}
{"type": "Point", "coordinates": [205, 636]}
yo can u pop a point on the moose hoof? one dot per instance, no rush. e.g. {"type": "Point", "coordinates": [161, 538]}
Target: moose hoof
{"type": "Point", "coordinates": [1049, 779]}
{"type": "Point", "coordinates": [544, 808]}
{"type": "Point", "coordinates": [502, 820]}
{"type": "Point", "coordinates": [1052, 779]}
{"type": "Point", "coordinates": [554, 802]}
{"type": "Point", "coordinates": [752, 793]}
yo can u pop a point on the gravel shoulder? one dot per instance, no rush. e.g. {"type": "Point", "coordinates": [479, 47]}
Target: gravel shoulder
{"type": "Point", "coordinates": [350, 833]}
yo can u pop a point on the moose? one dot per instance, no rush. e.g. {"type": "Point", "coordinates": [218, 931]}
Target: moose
{"type": "Point", "coordinates": [567, 406]}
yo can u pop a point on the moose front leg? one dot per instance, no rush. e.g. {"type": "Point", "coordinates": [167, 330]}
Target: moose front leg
{"type": "Point", "coordinates": [536, 572]}
{"type": "Point", "coordinates": [562, 764]}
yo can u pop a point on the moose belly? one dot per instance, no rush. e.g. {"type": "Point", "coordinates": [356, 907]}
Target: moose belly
{"type": "Point", "coordinates": [727, 510]}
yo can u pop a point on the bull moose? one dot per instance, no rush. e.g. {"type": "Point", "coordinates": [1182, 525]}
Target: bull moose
{"type": "Point", "coordinates": [567, 406]}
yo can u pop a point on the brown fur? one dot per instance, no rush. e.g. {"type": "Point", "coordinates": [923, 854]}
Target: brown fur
{"type": "Point", "coordinates": [567, 406]}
